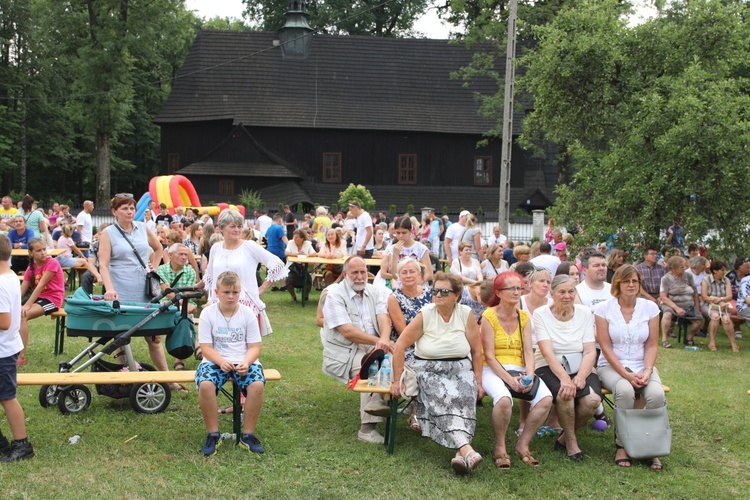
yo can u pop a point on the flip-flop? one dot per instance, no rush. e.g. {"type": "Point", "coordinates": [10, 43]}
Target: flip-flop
{"type": "Point", "coordinates": [178, 366]}
{"type": "Point", "coordinates": [666, 345]}
{"type": "Point", "coordinates": [180, 388]}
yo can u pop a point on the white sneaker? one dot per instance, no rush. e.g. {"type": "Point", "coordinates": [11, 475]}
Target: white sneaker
{"type": "Point", "coordinates": [371, 436]}
{"type": "Point", "coordinates": [738, 334]}
{"type": "Point", "coordinates": [378, 408]}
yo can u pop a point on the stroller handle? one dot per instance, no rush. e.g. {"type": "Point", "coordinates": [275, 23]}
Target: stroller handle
{"type": "Point", "coordinates": [187, 292]}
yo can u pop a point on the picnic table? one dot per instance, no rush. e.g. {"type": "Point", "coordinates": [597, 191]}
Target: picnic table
{"type": "Point", "coordinates": [24, 252]}
{"type": "Point", "coordinates": [307, 261]}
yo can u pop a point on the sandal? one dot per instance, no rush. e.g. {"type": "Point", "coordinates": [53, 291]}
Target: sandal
{"type": "Point", "coordinates": [178, 365]}
{"type": "Point", "coordinates": [414, 424]}
{"type": "Point", "coordinates": [712, 347]}
{"type": "Point", "coordinates": [654, 464]}
{"type": "Point", "coordinates": [198, 354]}
{"type": "Point", "coordinates": [458, 464]}
{"type": "Point", "coordinates": [179, 388]}
{"type": "Point", "coordinates": [735, 348]}
{"type": "Point", "coordinates": [528, 458]}
{"type": "Point", "coordinates": [690, 342]}
{"type": "Point", "coordinates": [473, 459]}
{"type": "Point", "coordinates": [623, 462]}
{"type": "Point", "coordinates": [502, 461]}
{"type": "Point", "coordinates": [666, 345]}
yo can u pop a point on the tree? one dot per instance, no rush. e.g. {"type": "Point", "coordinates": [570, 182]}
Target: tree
{"type": "Point", "coordinates": [658, 128]}
{"type": "Point", "coordinates": [358, 193]}
{"type": "Point", "coordinates": [342, 17]}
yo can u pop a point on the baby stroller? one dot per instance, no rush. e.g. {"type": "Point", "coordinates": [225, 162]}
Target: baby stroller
{"type": "Point", "coordinates": [116, 322]}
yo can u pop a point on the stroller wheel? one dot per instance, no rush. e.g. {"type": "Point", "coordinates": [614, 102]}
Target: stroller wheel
{"type": "Point", "coordinates": [74, 399]}
{"type": "Point", "coordinates": [150, 397]}
{"type": "Point", "coordinates": [48, 395]}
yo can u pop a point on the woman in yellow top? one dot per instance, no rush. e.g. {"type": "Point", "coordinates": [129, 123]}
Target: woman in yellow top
{"type": "Point", "coordinates": [321, 224]}
{"type": "Point", "coordinates": [508, 357]}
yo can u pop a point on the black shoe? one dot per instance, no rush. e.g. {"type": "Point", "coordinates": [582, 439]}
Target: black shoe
{"type": "Point", "coordinates": [276, 289]}
{"type": "Point", "coordinates": [18, 451]}
{"type": "Point", "coordinates": [251, 443]}
{"type": "Point", "coordinates": [702, 333]}
{"type": "Point", "coordinates": [213, 441]}
{"type": "Point", "coordinates": [4, 445]}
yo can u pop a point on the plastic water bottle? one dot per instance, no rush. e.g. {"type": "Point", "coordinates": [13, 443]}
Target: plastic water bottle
{"type": "Point", "coordinates": [525, 381]}
{"type": "Point", "coordinates": [692, 348]}
{"type": "Point", "coordinates": [372, 374]}
{"type": "Point", "coordinates": [385, 372]}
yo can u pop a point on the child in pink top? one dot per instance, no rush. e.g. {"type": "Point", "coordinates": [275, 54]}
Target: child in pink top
{"type": "Point", "coordinates": [46, 277]}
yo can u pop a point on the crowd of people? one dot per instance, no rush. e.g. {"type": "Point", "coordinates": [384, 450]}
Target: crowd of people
{"type": "Point", "coordinates": [471, 314]}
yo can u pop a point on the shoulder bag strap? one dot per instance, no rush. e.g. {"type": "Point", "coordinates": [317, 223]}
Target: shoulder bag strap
{"type": "Point", "coordinates": [520, 332]}
{"type": "Point", "coordinates": [138, 256]}
{"type": "Point", "coordinates": [176, 279]}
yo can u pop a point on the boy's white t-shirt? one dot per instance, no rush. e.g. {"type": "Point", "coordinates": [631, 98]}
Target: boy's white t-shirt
{"type": "Point", "coordinates": [229, 339]}
{"type": "Point", "coordinates": [10, 302]}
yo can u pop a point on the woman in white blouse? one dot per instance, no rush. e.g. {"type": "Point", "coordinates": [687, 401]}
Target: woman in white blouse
{"type": "Point", "coordinates": [627, 328]}
{"type": "Point", "coordinates": [565, 361]}
{"type": "Point", "coordinates": [465, 265]}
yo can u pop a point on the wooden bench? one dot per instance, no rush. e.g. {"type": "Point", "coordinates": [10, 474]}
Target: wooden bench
{"type": "Point", "coordinates": [390, 422]}
{"type": "Point", "coordinates": [60, 317]}
{"type": "Point", "coordinates": [143, 377]}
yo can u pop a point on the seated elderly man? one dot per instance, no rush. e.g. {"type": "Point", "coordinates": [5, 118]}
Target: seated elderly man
{"type": "Point", "coordinates": [355, 314]}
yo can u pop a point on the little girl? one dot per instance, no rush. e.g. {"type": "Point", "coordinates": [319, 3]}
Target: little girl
{"type": "Point", "coordinates": [48, 289]}
{"type": "Point", "coordinates": [66, 258]}
{"type": "Point", "coordinates": [404, 246]}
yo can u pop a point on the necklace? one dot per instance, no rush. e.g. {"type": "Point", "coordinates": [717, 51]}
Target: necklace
{"type": "Point", "coordinates": [229, 319]}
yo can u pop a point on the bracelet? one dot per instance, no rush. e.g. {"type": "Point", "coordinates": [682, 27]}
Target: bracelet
{"type": "Point", "coordinates": [651, 368]}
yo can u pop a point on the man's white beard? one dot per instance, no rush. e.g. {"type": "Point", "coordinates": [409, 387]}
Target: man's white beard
{"type": "Point", "coordinates": [356, 286]}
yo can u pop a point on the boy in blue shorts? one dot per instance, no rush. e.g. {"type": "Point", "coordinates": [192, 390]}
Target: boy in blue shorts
{"type": "Point", "coordinates": [10, 346]}
{"type": "Point", "coordinates": [230, 339]}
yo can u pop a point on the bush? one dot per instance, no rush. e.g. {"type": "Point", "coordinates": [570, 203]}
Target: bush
{"type": "Point", "coordinates": [392, 209]}
{"type": "Point", "coordinates": [410, 209]}
{"type": "Point", "coordinates": [251, 199]}
{"type": "Point", "coordinates": [334, 208]}
{"type": "Point", "coordinates": [358, 193]}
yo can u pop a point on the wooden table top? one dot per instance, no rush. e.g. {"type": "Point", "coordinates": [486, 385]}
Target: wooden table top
{"type": "Point", "coordinates": [23, 252]}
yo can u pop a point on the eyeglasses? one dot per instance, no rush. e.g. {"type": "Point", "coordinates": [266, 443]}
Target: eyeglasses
{"type": "Point", "coordinates": [124, 195]}
{"type": "Point", "coordinates": [512, 289]}
{"type": "Point", "coordinates": [443, 292]}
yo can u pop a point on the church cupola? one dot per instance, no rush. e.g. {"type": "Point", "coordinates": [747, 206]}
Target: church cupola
{"type": "Point", "coordinates": [296, 34]}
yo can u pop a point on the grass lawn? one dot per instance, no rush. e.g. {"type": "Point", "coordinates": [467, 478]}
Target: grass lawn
{"type": "Point", "coordinates": [309, 425]}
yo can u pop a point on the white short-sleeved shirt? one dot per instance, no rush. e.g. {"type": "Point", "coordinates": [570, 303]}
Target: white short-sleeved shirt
{"type": "Point", "coordinates": [87, 226]}
{"type": "Point", "coordinates": [363, 222]}
{"type": "Point", "coordinates": [590, 297]}
{"type": "Point", "coordinates": [567, 337]}
{"type": "Point", "coordinates": [10, 302]}
{"type": "Point", "coordinates": [230, 338]}
{"type": "Point", "coordinates": [628, 339]}
{"type": "Point", "coordinates": [455, 232]}
{"type": "Point", "coordinates": [547, 261]}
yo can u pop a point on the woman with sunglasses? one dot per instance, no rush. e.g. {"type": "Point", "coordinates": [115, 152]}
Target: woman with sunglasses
{"type": "Point", "coordinates": [508, 358]}
{"type": "Point", "coordinates": [123, 275]}
{"type": "Point", "coordinates": [565, 361]}
{"type": "Point", "coordinates": [444, 333]}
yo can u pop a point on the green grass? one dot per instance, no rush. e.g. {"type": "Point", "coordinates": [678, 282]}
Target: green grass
{"type": "Point", "coordinates": [309, 424]}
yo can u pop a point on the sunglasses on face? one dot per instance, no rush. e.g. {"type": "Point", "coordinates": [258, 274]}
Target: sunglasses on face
{"type": "Point", "coordinates": [443, 292]}
{"type": "Point", "coordinates": [124, 195]}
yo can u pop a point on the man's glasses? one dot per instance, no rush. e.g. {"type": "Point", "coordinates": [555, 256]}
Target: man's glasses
{"type": "Point", "coordinates": [124, 195]}
{"type": "Point", "coordinates": [443, 292]}
{"type": "Point", "coordinates": [512, 289]}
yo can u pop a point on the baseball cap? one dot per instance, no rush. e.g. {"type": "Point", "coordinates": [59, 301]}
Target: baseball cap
{"type": "Point", "coordinates": [465, 213]}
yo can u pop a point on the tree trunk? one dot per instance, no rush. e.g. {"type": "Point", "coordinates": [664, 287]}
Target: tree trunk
{"type": "Point", "coordinates": [102, 169]}
{"type": "Point", "coordinates": [563, 165]}
{"type": "Point", "coordinates": [22, 140]}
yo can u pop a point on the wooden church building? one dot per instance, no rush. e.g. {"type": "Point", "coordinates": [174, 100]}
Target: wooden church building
{"type": "Point", "coordinates": [299, 116]}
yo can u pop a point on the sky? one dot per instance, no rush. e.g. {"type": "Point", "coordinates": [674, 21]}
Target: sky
{"type": "Point", "coordinates": [429, 24]}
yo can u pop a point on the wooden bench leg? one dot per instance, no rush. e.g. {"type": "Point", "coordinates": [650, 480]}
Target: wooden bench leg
{"type": "Point", "coordinates": [390, 425]}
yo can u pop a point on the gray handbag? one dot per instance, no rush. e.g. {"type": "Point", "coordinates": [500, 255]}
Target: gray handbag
{"type": "Point", "coordinates": [645, 433]}
{"type": "Point", "coordinates": [409, 384]}
{"type": "Point", "coordinates": [571, 363]}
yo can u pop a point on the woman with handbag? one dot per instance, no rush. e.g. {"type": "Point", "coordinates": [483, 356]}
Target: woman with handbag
{"type": "Point", "coordinates": [679, 298]}
{"type": "Point", "coordinates": [128, 251]}
{"type": "Point", "coordinates": [243, 257]}
{"type": "Point", "coordinates": [508, 358]}
{"type": "Point", "coordinates": [444, 333]}
{"type": "Point", "coordinates": [403, 306]}
{"type": "Point", "coordinates": [565, 361]}
{"type": "Point", "coordinates": [627, 329]}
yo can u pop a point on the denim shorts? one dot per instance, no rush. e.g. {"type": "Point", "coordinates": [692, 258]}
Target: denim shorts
{"type": "Point", "coordinates": [8, 383]}
{"type": "Point", "coordinates": [212, 373]}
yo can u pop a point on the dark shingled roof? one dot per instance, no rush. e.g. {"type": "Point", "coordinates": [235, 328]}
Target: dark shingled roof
{"type": "Point", "coordinates": [346, 82]}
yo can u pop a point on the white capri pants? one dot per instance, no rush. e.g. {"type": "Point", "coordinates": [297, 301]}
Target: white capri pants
{"type": "Point", "coordinates": [496, 388]}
